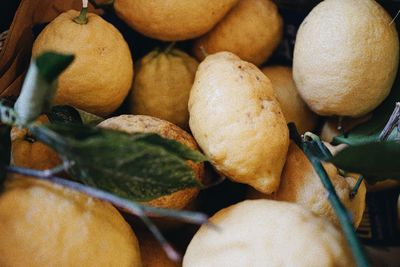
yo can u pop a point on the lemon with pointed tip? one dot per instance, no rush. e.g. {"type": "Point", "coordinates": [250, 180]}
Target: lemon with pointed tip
{"type": "Point", "coordinates": [238, 122]}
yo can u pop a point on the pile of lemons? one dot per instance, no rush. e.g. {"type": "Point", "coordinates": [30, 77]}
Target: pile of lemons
{"type": "Point", "coordinates": [218, 97]}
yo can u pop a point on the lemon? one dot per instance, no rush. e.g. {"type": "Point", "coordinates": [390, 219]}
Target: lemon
{"type": "Point", "coordinates": [162, 86]}
{"type": "Point", "coordinates": [293, 107]}
{"type": "Point", "coordinates": [147, 124]}
{"type": "Point", "coordinates": [43, 224]}
{"type": "Point", "coordinates": [267, 233]}
{"type": "Point", "coordinates": [237, 121]}
{"type": "Point", "coordinates": [345, 57]}
{"type": "Point", "coordinates": [172, 20]}
{"type": "Point", "coordinates": [101, 75]}
{"type": "Point", "coordinates": [251, 30]}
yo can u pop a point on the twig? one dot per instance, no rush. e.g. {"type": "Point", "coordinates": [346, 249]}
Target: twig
{"type": "Point", "coordinates": [169, 250]}
{"type": "Point", "coordinates": [391, 22]}
{"type": "Point", "coordinates": [354, 191]}
{"type": "Point", "coordinates": [391, 124]}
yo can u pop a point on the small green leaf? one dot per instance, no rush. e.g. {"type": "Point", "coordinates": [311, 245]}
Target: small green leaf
{"type": "Point", "coordinates": [64, 114]}
{"type": "Point", "coordinates": [140, 167]}
{"type": "Point", "coordinates": [5, 151]}
{"type": "Point", "coordinates": [40, 86]}
{"type": "Point", "coordinates": [376, 161]}
{"type": "Point", "coordinates": [51, 65]}
{"type": "Point", "coordinates": [369, 131]}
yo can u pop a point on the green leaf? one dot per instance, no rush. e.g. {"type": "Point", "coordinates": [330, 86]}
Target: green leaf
{"type": "Point", "coordinates": [369, 131]}
{"type": "Point", "coordinates": [376, 161]}
{"type": "Point", "coordinates": [51, 65]}
{"type": "Point", "coordinates": [64, 114]}
{"type": "Point", "coordinates": [139, 167]}
{"type": "Point", "coordinates": [40, 86]}
{"type": "Point", "coordinates": [69, 114]}
{"type": "Point", "coordinates": [5, 151]}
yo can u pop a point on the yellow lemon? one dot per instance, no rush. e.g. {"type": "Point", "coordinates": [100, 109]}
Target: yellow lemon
{"type": "Point", "coordinates": [293, 107]}
{"type": "Point", "coordinates": [147, 124]}
{"type": "Point", "coordinates": [172, 20]}
{"type": "Point", "coordinates": [43, 224]}
{"type": "Point", "coordinates": [101, 75]}
{"type": "Point", "coordinates": [162, 86]}
{"type": "Point", "coordinates": [251, 30]}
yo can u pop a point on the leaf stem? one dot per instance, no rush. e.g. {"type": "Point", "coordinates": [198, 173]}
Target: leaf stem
{"type": "Point", "coordinates": [354, 191]}
{"type": "Point", "coordinates": [340, 210]}
{"type": "Point", "coordinates": [394, 121]}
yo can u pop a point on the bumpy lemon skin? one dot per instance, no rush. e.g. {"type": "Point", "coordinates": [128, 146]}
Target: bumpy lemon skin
{"type": "Point", "coordinates": [293, 107]}
{"type": "Point", "coordinates": [100, 77]}
{"type": "Point", "coordinates": [267, 233]}
{"type": "Point", "coordinates": [146, 124]}
{"type": "Point", "coordinates": [237, 121]}
{"type": "Point", "coordinates": [43, 224]}
{"type": "Point", "coordinates": [346, 57]}
{"type": "Point", "coordinates": [174, 20]}
{"type": "Point", "coordinates": [162, 86]}
{"type": "Point", "coordinates": [251, 30]}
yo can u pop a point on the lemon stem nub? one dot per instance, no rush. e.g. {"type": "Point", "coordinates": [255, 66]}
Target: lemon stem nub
{"type": "Point", "coordinates": [82, 19]}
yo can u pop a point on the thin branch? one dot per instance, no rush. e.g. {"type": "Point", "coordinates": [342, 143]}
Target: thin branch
{"type": "Point", "coordinates": [391, 124]}
{"type": "Point", "coordinates": [354, 191]}
{"type": "Point", "coordinates": [169, 250]}
{"type": "Point", "coordinates": [391, 22]}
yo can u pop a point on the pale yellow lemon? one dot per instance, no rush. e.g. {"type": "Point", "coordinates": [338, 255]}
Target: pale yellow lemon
{"type": "Point", "coordinates": [237, 121]}
{"type": "Point", "coordinates": [267, 233]}
{"type": "Point", "coordinates": [346, 57]}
